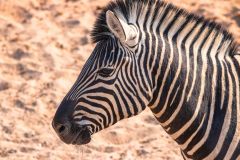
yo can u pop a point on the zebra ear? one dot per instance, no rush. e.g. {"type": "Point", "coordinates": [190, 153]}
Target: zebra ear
{"type": "Point", "coordinates": [125, 32]}
{"type": "Point", "coordinates": [115, 25]}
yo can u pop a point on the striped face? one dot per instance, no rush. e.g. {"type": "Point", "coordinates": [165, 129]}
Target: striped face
{"type": "Point", "coordinates": [107, 90]}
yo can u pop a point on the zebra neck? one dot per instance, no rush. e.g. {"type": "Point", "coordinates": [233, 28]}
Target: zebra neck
{"type": "Point", "coordinates": [193, 70]}
{"type": "Point", "coordinates": [179, 45]}
{"type": "Point", "coordinates": [185, 55]}
{"type": "Point", "coordinates": [172, 38]}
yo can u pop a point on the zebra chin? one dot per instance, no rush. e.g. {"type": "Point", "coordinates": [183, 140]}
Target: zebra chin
{"type": "Point", "coordinates": [82, 137]}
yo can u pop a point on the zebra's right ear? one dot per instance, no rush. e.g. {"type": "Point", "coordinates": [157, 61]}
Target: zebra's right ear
{"type": "Point", "coordinates": [123, 31]}
{"type": "Point", "coordinates": [115, 25]}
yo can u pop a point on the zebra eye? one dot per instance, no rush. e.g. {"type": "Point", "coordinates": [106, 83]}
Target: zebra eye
{"type": "Point", "coordinates": [105, 72]}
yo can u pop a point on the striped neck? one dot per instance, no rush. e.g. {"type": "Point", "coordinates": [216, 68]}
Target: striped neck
{"type": "Point", "coordinates": [168, 38]}
{"type": "Point", "coordinates": [172, 36]}
{"type": "Point", "coordinates": [183, 52]}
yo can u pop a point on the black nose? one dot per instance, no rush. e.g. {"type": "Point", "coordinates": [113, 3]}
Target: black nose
{"type": "Point", "coordinates": [62, 121]}
{"type": "Point", "coordinates": [61, 128]}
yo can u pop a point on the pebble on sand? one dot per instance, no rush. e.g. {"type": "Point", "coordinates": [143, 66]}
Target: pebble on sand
{"type": "Point", "coordinates": [4, 85]}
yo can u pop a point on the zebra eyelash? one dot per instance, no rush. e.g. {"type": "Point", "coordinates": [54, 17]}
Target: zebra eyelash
{"type": "Point", "coordinates": [106, 71]}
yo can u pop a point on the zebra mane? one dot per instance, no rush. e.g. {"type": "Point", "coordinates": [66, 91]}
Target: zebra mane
{"type": "Point", "coordinates": [126, 7]}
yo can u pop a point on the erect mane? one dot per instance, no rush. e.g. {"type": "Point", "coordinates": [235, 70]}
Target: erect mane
{"type": "Point", "coordinates": [125, 7]}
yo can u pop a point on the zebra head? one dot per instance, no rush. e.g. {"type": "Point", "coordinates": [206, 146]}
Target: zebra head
{"type": "Point", "coordinates": [111, 86]}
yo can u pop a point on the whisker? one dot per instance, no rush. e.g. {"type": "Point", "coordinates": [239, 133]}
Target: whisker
{"type": "Point", "coordinates": [82, 151]}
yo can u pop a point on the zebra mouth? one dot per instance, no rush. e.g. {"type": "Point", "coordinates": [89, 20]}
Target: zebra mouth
{"type": "Point", "coordinates": [83, 137]}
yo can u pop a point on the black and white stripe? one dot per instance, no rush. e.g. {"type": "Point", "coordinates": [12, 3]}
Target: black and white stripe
{"type": "Point", "coordinates": [185, 68]}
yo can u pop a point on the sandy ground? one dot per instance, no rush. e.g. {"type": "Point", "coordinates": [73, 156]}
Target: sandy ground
{"type": "Point", "coordinates": [44, 44]}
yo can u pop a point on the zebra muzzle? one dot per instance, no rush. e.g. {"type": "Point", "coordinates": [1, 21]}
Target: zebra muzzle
{"type": "Point", "coordinates": [71, 133]}
{"type": "Point", "coordinates": [82, 136]}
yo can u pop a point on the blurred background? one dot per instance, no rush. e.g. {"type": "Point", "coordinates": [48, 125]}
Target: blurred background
{"type": "Point", "coordinates": [43, 46]}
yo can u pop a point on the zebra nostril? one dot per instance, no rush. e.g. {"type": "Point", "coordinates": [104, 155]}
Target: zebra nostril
{"type": "Point", "coordinates": [63, 129]}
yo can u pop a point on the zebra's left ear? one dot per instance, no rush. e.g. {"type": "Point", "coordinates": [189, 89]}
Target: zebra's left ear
{"type": "Point", "coordinates": [125, 32]}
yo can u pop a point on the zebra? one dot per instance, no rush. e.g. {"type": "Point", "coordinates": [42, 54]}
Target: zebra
{"type": "Point", "coordinates": [150, 53]}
